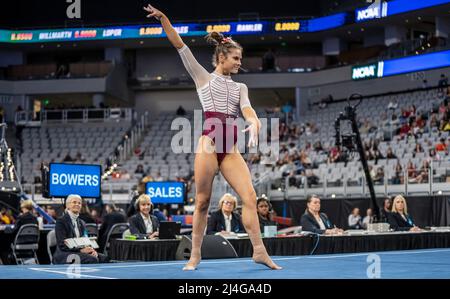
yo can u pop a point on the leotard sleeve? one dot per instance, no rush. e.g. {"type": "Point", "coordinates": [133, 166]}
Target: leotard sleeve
{"type": "Point", "coordinates": [198, 73]}
{"type": "Point", "coordinates": [244, 100]}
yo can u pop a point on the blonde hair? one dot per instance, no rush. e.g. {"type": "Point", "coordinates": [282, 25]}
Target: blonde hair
{"type": "Point", "coordinates": [230, 197]}
{"type": "Point", "coordinates": [27, 204]}
{"type": "Point", "coordinates": [398, 198]}
{"type": "Point", "coordinates": [141, 199]}
{"type": "Point", "coordinates": [223, 45]}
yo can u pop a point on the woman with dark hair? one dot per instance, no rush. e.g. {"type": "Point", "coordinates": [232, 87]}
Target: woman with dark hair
{"type": "Point", "coordinates": [265, 213]}
{"type": "Point", "coordinates": [221, 99]}
{"type": "Point", "coordinates": [315, 221]}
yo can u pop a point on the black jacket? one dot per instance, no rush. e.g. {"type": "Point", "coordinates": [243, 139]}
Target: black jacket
{"type": "Point", "coordinates": [65, 230]}
{"type": "Point", "coordinates": [216, 223]}
{"type": "Point", "coordinates": [398, 223]}
{"type": "Point", "coordinates": [27, 218]}
{"type": "Point", "coordinates": [310, 224]}
{"type": "Point", "coordinates": [108, 221]}
{"type": "Point", "coordinates": [137, 224]}
{"type": "Point", "coordinates": [264, 222]}
{"type": "Point", "coordinates": [384, 215]}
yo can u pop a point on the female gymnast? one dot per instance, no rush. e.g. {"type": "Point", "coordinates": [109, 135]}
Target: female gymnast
{"type": "Point", "coordinates": [221, 98]}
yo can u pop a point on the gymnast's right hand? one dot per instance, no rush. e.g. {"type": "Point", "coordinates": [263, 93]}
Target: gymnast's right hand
{"type": "Point", "coordinates": [153, 12]}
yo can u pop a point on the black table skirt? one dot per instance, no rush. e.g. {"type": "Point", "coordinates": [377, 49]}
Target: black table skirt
{"type": "Point", "coordinates": [146, 250]}
{"type": "Point", "coordinates": [166, 249]}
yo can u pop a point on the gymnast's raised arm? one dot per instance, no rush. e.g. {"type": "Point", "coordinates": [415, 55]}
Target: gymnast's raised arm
{"type": "Point", "coordinates": [171, 33]}
{"type": "Point", "coordinates": [197, 72]}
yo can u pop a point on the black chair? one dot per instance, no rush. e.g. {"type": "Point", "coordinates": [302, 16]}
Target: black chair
{"type": "Point", "coordinates": [26, 244]}
{"type": "Point", "coordinates": [51, 244]}
{"type": "Point", "coordinates": [92, 229]}
{"type": "Point", "coordinates": [115, 232]}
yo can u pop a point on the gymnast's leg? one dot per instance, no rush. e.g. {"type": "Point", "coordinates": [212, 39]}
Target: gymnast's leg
{"type": "Point", "coordinates": [235, 171]}
{"type": "Point", "coordinates": [205, 169]}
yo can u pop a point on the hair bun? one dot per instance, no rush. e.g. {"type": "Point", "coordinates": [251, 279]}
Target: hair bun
{"type": "Point", "coordinates": [214, 38]}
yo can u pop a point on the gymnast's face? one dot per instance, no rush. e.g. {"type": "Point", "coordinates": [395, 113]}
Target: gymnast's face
{"type": "Point", "coordinates": [231, 62]}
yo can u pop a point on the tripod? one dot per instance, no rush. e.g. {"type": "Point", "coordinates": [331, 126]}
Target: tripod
{"type": "Point", "coordinates": [350, 141]}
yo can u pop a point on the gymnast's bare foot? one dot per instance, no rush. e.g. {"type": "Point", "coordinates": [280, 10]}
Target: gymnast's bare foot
{"type": "Point", "coordinates": [260, 256]}
{"type": "Point", "coordinates": [192, 263]}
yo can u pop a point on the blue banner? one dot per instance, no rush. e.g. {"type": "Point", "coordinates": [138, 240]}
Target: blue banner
{"type": "Point", "coordinates": [65, 179]}
{"type": "Point", "coordinates": [402, 65]}
{"type": "Point", "coordinates": [416, 63]}
{"type": "Point", "coordinates": [166, 192]}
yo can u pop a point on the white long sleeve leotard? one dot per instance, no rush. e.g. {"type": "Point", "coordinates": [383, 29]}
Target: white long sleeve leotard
{"type": "Point", "coordinates": [217, 93]}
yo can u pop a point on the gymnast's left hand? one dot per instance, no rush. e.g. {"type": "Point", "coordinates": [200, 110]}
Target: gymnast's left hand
{"type": "Point", "coordinates": [254, 132]}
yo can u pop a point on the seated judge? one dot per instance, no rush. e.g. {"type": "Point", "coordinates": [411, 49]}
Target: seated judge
{"type": "Point", "coordinates": [26, 216]}
{"type": "Point", "coordinates": [386, 210]}
{"type": "Point", "coordinates": [225, 220]}
{"type": "Point", "coordinates": [315, 221]}
{"type": "Point", "coordinates": [264, 209]}
{"type": "Point", "coordinates": [113, 216]}
{"type": "Point", "coordinates": [399, 219]}
{"type": "Point", "coordinates": [71, 226]}
{"type": "Point", "coordinates": [143, 222]}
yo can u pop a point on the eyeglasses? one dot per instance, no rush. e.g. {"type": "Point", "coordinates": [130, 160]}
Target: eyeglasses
{"type": "Point", "coordinates": [226, 202]}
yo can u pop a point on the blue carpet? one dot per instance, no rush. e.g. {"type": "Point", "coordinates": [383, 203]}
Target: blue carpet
{"type": "Point", "coordinates": [429, 263]}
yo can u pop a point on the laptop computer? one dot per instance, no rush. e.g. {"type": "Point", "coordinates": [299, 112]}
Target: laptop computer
{"type": "Point", "coordinates": [169, 229]}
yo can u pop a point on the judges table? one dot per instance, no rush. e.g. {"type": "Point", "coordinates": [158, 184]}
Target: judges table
{"type": "Point", "coordinates": [164, 250]}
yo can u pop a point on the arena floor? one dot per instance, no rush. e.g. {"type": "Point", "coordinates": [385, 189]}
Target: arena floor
{"type": "Point", "coordinates": [411, 264]}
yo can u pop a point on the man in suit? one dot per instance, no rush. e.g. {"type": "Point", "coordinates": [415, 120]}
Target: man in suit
{"type": "Point", "coordinates": [315, 221]}
{"type": "Point", "coordinates": [144, 223]}
{"type": "Point", "coordinates": [225, 220]}
{"type": "Point", "coordinates": [71, 226]}
{"type": "Point", "coordinates": [113, 216]}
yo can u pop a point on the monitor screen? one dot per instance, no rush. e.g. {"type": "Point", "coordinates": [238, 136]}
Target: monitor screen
{"type": "Point", "coordinates": [65, 179]}
{"type": "Point", "coordinates": [166, 192]}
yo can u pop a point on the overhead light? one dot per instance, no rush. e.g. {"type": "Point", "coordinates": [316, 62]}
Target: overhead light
{"type": "Point", "coordinates": [279, 189]}
{"type": "Point", "coordinates": [419, 18]}
{"type": "Point", "coordinates": [439, 192]}
{"type": "Point", "coordinates": [262, 38]}
{"type": "Point", "coordinates": [298, 36]}
{"type": "Point", "coordinates": [141, 42]}
{"type": "Point", "coordinates": [407, 21]}
{"type": "Point", "coordinates": [333, 195]}
{"type": "Point", "coordinates": [280, 37]}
